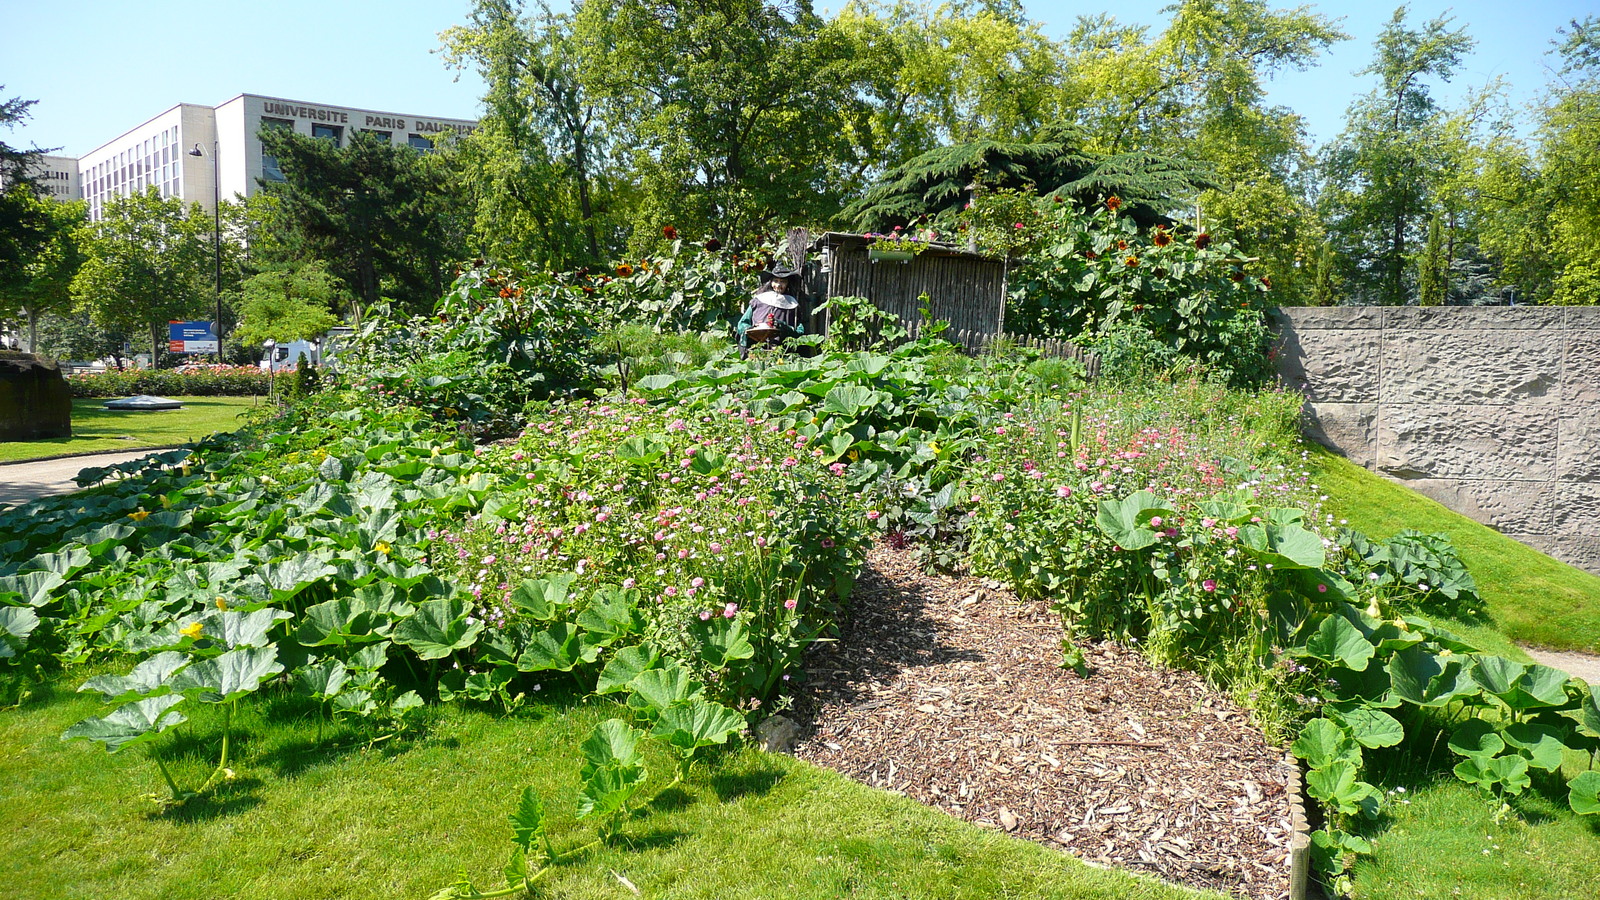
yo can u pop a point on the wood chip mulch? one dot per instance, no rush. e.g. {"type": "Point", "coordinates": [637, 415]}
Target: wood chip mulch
{"type": "Point", "coordinates": [949, 691]}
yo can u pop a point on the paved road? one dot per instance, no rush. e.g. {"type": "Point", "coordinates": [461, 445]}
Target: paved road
{"type": "Point", "coordinates": [21, 482]}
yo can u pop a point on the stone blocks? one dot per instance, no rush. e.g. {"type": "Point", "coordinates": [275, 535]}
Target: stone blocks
{"type": "Point", "coordinates": [35, 401]}
{"type": "Point", "coordinates": [1494, 412]}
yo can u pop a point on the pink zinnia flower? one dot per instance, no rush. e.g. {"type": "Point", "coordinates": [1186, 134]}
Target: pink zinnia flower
{"type": "Point", "coordinates": [1063, 491]}
{"type": "Point", "coordinates": [873, 515]}
{"type": "Point", "coordinates": [705, 615]}
{"type": "Point", "coordinates": [1210, 584]}
{"type": "Point", "coordinates": [790, 603]}
{"type": "Point", "coordinates": [731, 610]}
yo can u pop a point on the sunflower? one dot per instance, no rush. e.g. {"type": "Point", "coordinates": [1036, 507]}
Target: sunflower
{"type": "Point", "coordinates": [1122, 245]}
{"type": "Point", "coordinates": [1162, 237]}
{"type": "Point", "coordinates": [1202, 240]}
{"type": "Point", "coordinates": [1131, 261]}
{"type": "Point", "coordinates": [624, 270]}
{"type": "Point", "coordinates": [713, 245]}
{"type": "Point", "coordinates": [1113, 203]}
{"type": "Point", "coordinates": [669, 233]}
{"type": "Point", "coordinates": [1266, 282]}
{"type": "Point", "coordinates": [1236, 275]}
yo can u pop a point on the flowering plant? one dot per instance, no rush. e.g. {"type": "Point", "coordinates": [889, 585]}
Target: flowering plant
{"type": "Point", "coordinates": [899, 241]}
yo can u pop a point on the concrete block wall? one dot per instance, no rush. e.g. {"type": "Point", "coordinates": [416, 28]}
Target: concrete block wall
{"type": "Point", "coordinates": [1494, 412]}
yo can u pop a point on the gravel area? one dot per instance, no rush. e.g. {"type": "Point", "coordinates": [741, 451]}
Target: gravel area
{"type": "Point", "coordinates": [950, 691]}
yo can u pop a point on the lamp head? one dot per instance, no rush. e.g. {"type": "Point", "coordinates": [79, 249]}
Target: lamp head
{"type": "Point", "coordinates": [195, 151]}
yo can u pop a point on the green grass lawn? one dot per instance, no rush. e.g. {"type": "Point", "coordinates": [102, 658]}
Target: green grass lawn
{"type": "Point", "coordinates": [1440, 837]}
{"type": "Point", "coordinates": [401, 820]}
{"type": "Point", "coordinates": [96, 429]}
{"type": "Point", "coordinates": [1532, 598]}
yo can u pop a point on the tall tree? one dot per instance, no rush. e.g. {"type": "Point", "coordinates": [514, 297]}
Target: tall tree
{"type": "Point", "coordinates": [43, 283]}
{"type": "Point", "coordinates": [539, 156]}
{"type": "Point", "coordinates": [737, 110]}
{"type": "Point", "coordinates": [146, 262]}
{"type": "Point", "coordinates": [1382, 173]}
{"type": "Point", "coordinates": [380, 215]}
{"type": "Point", "coordinates": [1570, 164]}
{"type": "Point", "coordinates": [24, 227]}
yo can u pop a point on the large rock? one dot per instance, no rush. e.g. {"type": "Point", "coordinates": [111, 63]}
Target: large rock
{"type": "Point", "coordinates": [35, 401]}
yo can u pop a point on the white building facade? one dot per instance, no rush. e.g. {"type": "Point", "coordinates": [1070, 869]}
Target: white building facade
{"type": "Point", "coordinates": [157, 152]}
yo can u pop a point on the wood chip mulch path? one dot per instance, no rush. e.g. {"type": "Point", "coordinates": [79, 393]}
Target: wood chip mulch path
{"type": "Point", "coordinates": [950, 691]}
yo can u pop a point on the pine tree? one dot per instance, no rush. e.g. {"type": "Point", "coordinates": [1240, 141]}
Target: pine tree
{"type": "Point", "coordinates": [1430, 280]}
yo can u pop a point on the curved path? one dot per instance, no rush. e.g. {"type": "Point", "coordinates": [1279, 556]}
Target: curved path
{"type": "Point", "coordinates": [24, 481]}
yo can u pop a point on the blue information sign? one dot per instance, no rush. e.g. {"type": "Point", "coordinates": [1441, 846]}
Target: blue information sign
{"type": "Point", "coordinates": [191, 337]}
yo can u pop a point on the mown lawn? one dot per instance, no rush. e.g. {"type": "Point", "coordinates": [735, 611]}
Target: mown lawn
{"type": "Point", "coordinates": [401, 819]}
{"type": "Point", "coordinates": [1532, 598]}
{"type": "Point", "coordinates": [96, 429]}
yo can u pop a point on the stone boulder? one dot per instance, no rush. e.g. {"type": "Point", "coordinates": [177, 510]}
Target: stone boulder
{"type": "Point", "coordinates": [35, 401]}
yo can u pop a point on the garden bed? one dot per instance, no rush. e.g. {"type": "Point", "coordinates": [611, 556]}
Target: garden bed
{"type": "Point", "coordinates": [949, 691]}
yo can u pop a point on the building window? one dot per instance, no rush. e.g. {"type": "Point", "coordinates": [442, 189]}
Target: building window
{"type": "Point", "coordinates": [329, 132]}
{"type": "Point", "coordinates": [386, 136]}
{"type": "Point", "coordinates": [269, 164]}
{"type": "Point", "coordinates": [418, 142]}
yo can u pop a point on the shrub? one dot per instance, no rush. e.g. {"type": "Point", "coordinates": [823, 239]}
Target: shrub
{"type": "Point", "coordinates": [190, 381]}
{"type": "Point", "coordinates": [1089, 274]}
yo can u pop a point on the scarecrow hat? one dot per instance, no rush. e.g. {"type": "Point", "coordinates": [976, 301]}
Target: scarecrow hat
{"type": "Point", "coordinates": [779, 270]}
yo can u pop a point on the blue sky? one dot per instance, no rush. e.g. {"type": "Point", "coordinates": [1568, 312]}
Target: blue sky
{"type": "Point", "coordinates": [99, 67]}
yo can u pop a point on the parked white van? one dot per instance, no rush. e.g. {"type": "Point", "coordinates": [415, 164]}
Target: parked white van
{"type": "Point", "coordinates": [286, 357]}
{"type": "Point", "coordinates": [319, 351]}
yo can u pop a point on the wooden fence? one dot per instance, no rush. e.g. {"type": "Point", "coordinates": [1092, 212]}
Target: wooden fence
{"type": "Point", "coordinates": [982, 342]}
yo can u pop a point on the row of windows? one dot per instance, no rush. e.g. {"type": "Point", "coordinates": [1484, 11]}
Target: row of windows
{"type": "Point", "coordinates": [271, 171]}
{"type": "Point", "coordinates": [155, 160]}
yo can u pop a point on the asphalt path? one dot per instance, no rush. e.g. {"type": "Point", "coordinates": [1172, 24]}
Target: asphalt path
{"type": "Point", "coordinates": [24, 481]}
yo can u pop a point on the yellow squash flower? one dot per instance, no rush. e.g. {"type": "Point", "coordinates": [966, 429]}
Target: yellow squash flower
{"type": "Point", "coordinates": [139, 515]}
{"type": "Point", "coordinates": [192, 630]}
{"type": "Point", "coordinates": [383, 547]}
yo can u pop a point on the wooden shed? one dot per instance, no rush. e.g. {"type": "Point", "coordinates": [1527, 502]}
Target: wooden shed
{"type": "Point", "coordinates": [967, 289]}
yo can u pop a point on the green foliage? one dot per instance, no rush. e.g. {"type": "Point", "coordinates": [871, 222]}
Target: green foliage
{"type": "Point", "coordinates": [495, 342]}
{"type": "Point", "coordinates": [1383, 175]}
{"type": "Point", "coordinates": [1097, 276]}
{"type": "Point", "coordinates": [389, 235]}
{"type": "Point", "coordinates": [936, 183]}
{"type": "Point", "coordinates": [191, 381]}
{"type": "Point", "coordinates": [147, 262]}
{"type": "Point", "coordinates": [294, 303]}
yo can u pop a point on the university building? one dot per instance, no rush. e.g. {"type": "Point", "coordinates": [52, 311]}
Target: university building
{"type": "Point", "coordinates": [158, 152]}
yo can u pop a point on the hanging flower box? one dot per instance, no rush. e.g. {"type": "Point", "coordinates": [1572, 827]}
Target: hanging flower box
{"type": "Point", "coordinates": [899, 256]}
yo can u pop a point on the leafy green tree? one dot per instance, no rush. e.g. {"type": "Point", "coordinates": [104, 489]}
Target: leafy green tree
{"type": "Point", "coordinates": [293, 303]}
{"type": "Point", "coordinates": [148, 261]}
{"type": "Point", "coordinates": [735, 110]}
{"type": "Point", "coordinates": [381, 215]}
{"type": "Point", "coordinates": [25, 227]}
{"type": "Point", "coordinates": [1570, 158]}
{"type": "Point", "coordinates": [43, 283]}
{"type": "Point", "coordinates": [1383, 172]}
{"type": "Point", "coordinates": [539, 160]}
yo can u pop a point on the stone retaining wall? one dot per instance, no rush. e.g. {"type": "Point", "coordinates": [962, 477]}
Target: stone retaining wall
{"type": "Point", "coordinates": [1494, 412]}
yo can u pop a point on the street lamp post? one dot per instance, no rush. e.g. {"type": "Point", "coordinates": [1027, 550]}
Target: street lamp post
{"type": "Point", "coordinates": [216, 234]}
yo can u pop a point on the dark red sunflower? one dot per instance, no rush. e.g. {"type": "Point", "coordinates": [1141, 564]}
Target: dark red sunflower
{"type": "Point", "coordinates": [1162, 237]}
{"type": "Point", "coordinates": [669, 233]}
{"type": "Point", "coordinates": [1202, 240]}
{"type": "Point", "coordinates": [713, 245]}
{"type": "Point", "coordinates": [1113, 203]}
{"type": "Point", "coordinates": [624, 270]}
{"type": "Point", "coordinates": [1131, 261]}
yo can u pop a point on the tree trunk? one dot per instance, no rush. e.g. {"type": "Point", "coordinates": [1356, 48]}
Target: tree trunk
{"type": "Point", "coordinates": [33, 331]}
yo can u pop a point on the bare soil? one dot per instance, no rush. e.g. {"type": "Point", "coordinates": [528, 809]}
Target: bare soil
{"type": "Point", "coordinates": [950, 691]}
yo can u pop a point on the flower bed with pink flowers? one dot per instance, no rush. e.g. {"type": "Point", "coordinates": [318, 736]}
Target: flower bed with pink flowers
{"type": "Point", "coordinates": [736, 544]}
